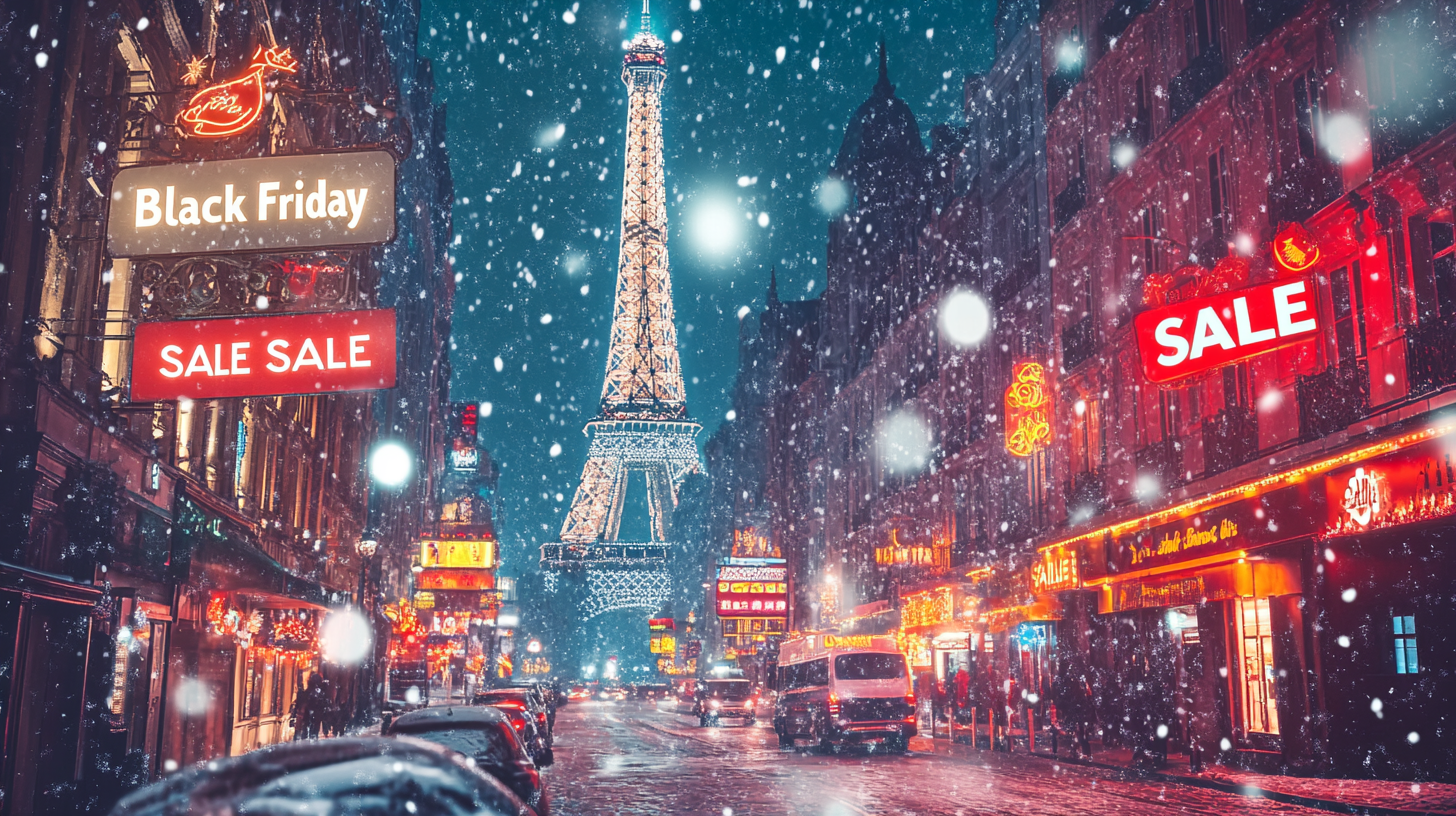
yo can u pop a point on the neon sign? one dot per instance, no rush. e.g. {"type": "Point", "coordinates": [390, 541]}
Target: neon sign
{"type": "Point", "coordinates": [937, 554]}
{"type": "Point", "coordinates": [1365, 499]}
{"type": "Point", "coordinates": [1057, 570]}
{"type": "Point", "coordinates": [1295, 249]}
{"type": "Point", "coordinates": [229, 108]}
{"type": "Point", "coordinates": [1183, 339]}
{"type": "Point", "coordinates": [1028, 407]}
{"type": "Point", "coordinates": [927, 608]}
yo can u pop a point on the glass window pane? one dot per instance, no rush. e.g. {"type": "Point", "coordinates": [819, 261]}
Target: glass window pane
{"type": "Point", "coordinates": [1399, 627]}
{"type": "Point", "coordinates": [1410, 656]}
{"type": "Point", "coordinates": [1399, 654]}
{"type": "Point", "coordinates": [1410, 624]}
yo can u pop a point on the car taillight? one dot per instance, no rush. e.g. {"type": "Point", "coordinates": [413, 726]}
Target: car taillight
{"type": "Point", "coordinates": [833, 704]}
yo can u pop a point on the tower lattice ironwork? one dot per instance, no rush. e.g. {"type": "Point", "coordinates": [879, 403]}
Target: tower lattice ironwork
{"type": "Point", "coordinates": [642, 444]}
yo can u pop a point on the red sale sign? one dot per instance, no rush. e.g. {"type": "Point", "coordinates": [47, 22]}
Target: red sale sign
{"type": "Point", "coordinates": [1183, 339]}
{"type": "Point", "coordinates": [263, 356]}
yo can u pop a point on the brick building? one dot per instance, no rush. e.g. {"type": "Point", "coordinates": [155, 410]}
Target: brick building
{"type": "Point", "coordinates": [127, 523]}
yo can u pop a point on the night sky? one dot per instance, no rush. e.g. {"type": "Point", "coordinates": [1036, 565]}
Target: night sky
{"type": "Point", "coordinates": [751, 128]}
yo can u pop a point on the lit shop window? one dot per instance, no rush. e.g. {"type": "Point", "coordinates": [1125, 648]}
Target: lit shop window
{"type": "Point", "coordinates": [1405, 644]}
{"type": "Point", "coordinates": [1256, 657]}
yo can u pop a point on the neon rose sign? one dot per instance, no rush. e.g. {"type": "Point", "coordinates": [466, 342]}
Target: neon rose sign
{"type": "Point", "coordinates": [1028, 410]}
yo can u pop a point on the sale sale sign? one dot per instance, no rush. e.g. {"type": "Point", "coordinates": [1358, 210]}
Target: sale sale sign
{"type": "Point", "coordinates": [1184, 339]}
{"type": "Point", "coordinates": [263, 356]}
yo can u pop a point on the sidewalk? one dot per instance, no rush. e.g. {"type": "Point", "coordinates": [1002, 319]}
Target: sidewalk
{"type": "Point", "coordinates": [1362, 796]}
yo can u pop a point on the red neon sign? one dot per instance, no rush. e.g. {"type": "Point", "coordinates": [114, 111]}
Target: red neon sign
{"type": "Point", "coordinates": [1295, 249]}
{"type": "Point", "coordinates": [230, 107]}
{"type": "Point", "coordinates": [1028, 410]}
{"type": "Point", "coordinates": [1188, 338]}
{"type": "Point", "coordinates": [263, 356]}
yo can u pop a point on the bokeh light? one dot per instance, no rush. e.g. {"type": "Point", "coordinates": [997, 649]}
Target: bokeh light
{"type": "Point", "coordinates": [345, 637]}
{"type": "Point", "coordinates": [905, 442]}
{"type": "Point", "coordinates": [965, 319]}
{"type": "Point", "coordinates": [714, 227]}
{"type": "Point", "coordinates": [833, 196]}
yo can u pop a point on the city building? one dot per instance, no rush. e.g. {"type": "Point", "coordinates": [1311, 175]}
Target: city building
{"type": "Point", "coordinates": [169, 560]}
{"type": "Point", "coordinates": [1262, 533]}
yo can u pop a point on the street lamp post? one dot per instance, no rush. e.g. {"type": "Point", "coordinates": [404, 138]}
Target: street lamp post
{"type": "Point", "coordinates": [391, 466]}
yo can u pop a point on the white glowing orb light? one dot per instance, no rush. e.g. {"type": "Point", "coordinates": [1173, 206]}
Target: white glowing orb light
{"type": "Point", "coordinates": [551, 135]}
{"type": "Point", "coordinates": [345, 638]}
{"type": "Point", "coordinates": [964, 318]}
{"type": "Point", "coordinates": [193, 697]}
{"type": "Point", "coordinates": [833, 196]}
{"type": "Point", "coordinates": [714, 227]}
{"type": "Point", "coordinates": [1344, 138]}
{"type": "Point", "coordinates": [391, 464]}
{"type": "Point", "coordinates": [534, 647]}
{"type": "Point", "coordinates": [905, 442]}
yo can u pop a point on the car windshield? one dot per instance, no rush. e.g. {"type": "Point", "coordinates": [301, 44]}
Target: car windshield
{"type": "Point", "coordinates": [731, 689]}
{"type": "Point", "coordinates": [869, 666]}
{"type": "Point", "coordinates": [487, 744]}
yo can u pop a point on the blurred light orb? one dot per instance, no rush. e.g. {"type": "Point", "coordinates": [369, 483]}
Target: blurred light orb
{"type": "Point", "coordinates": [905, 442]}
{"type": "Point", "coordinates": [193, 697]}
{"type": "Point", "coordinates": [345, 638]}
{"type": "Point", "coordinates": [412, 695]}
{"type": "Point", "coordinates": [964, 318]}
{"type": "Point", "coordinates": [391, 464]}
{"type": "Point", "coordinates": [714, 227]}
{"type": "Point", "coordinates": [1344, 138]}
{"type": "Point", "coordinates": [551, 135]}
{"type": "Point", "coordinates": [833, 196]}
{"type": "Point", "coordinates": [1124, 155]}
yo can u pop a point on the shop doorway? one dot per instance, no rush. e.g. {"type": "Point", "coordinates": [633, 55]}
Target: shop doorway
{"type": "Point", "coordinates": [1257, 679]}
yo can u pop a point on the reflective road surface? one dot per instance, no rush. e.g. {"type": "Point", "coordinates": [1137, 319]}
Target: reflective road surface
{"type": "Point", "coordinates": [629, 758]}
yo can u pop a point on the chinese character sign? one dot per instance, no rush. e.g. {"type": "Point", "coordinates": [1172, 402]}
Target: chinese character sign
{"type": "Point", "coordinates": [752, 592]}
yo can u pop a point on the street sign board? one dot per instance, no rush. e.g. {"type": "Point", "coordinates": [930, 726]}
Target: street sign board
{"type": "Point", "coordinates": [752, 592]}
{"type": "Point", "coordinates": [252, 205]}
{"type": "Point", "coordinates": [1184, 339]}
{"type": "Point", "coordinates": [263, 356]}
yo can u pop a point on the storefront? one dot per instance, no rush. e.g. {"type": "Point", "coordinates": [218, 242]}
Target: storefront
{"type": "Point", "coordinates": [1201, 618]}
{"type": "Point", "coordinates": [1387, 627]}
{"type": "Point", "coordinates": [245, 639]}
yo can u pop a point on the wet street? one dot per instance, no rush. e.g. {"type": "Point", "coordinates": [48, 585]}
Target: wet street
{"type": "Point", "coordinates": [629, 758]}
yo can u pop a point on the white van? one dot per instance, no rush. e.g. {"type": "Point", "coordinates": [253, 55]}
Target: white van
{"type": "Point", "coordinates": [835, 689]}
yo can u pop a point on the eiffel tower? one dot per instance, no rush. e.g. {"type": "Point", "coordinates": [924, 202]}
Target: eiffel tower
{"type": "Point", "coordinates": [642, 444]}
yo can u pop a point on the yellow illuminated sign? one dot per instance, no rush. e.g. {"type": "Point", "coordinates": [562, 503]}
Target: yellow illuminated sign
{"type": "Point", "coordinates": [458, 553]}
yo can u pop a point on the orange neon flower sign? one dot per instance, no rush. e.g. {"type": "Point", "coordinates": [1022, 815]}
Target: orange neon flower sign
{"type": "Point", "coordinates": [229, 108]}
{"type": "Point", "coordinates": [1295, 250]}
{"type": "Point", "coordinates": [1028, 410]}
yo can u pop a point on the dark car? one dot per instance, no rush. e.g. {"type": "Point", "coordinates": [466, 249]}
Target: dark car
{"type": "Point", "coordinates": [486, 735]}
{"type": "Point", "coordinates": [717, 700]}
{"type": "Point", "coordinates": [360, 776]}
{"type": "Point", "coordinates": [530, 722]}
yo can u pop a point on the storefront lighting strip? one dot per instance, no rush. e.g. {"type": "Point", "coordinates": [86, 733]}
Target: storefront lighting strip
{"type": "Point", "coordinates": [1181, 566]}
{"type": "Point", "coordinates": [1258, 486]}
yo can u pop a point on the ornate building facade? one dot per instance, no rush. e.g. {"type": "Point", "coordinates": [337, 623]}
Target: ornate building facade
{"type": "Point", "coordinates": [184, 551]}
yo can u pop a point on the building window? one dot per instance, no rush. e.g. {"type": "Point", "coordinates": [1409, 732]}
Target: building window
{"type": "Point", "coordinates": [1256, 662]}
{"type": "Point", "coordinates": [1088, 445]}
{"type": "Point", "coordinates": [1405, 644]}
{"type": "Point", "coordinates": [1345, 299]}
{"type": "Point", "coordinates": [1220, 203]}
{"type": "Point", "coordinates": [1236, 387]}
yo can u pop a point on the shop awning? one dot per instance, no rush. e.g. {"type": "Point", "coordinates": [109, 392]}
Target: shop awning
{"type": "Point", "coordinates": [228, 565]}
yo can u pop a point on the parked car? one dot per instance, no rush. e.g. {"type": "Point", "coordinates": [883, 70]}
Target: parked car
{"type": "Point", "coordinates": [361, 776]}
{"type": "Point", "coordinates": [717, 700]}
{"type": "Point", "coordinates": [523, 702]}
{"type": "Point", "coordinates": [834, 690]}
{"type": "Point", "coordinates": [486, 735]}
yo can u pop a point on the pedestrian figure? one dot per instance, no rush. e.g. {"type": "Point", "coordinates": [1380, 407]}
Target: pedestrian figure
{"type": "Point", "coordinates": [309, 705]}
{"type": "Point", "coordinates": [962, 694]}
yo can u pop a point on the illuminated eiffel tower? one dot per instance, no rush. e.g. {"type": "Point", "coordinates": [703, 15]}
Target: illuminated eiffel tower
{"type": "Point", "coordinates": [642, 443]}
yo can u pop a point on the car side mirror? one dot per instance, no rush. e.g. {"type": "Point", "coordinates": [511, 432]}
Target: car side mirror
{"type": "Point", "coordinates": [547, 758]}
